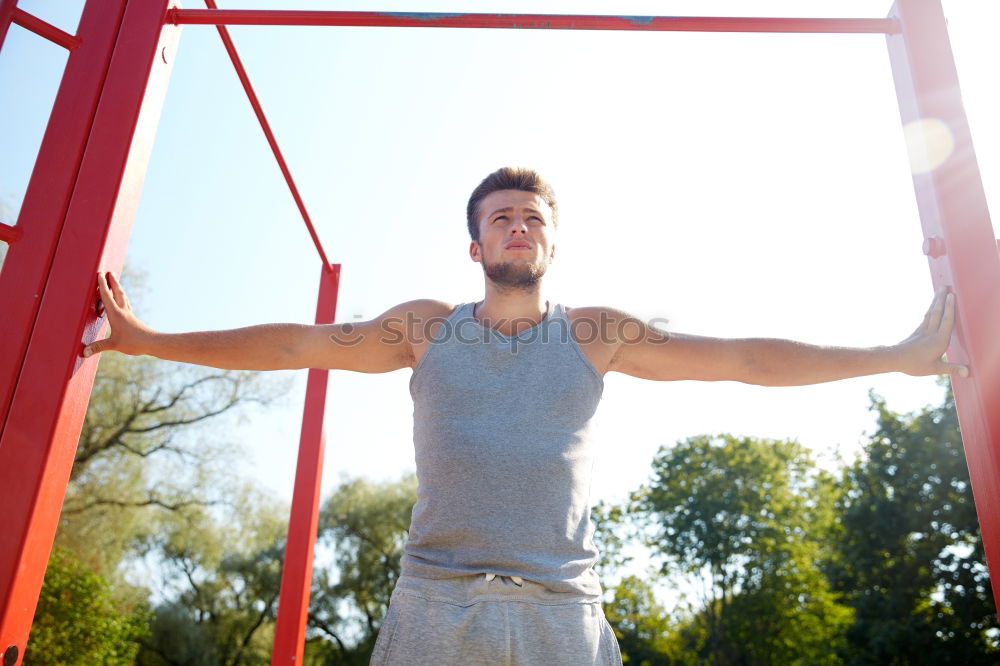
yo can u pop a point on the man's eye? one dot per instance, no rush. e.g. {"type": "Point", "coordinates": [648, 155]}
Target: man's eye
{"type": "Point", "coordinates": [502, 217]}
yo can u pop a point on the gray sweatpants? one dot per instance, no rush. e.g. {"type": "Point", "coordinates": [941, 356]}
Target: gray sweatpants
{"type": "Point", "coordinates": [493, 621]}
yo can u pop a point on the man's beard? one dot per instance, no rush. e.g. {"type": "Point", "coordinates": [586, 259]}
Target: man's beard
{"type": "Point", "coordinates": [512, 275]}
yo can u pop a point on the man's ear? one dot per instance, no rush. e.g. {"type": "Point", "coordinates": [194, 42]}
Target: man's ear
{"type": "Point", "coordinates": [474, 252]}
{"type": "Point", "coordinates": [552, 253]}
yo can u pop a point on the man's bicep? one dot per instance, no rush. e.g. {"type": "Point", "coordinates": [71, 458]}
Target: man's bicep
{"type": "Point", "coordinates": [679, 356]}
{"type": "Point", "coordinates": [377, 345]}
{"type": "Point", "coordinates": [382, 344]}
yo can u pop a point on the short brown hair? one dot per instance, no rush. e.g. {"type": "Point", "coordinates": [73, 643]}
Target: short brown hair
{"type": "Point", "coordinates": [508, 178]}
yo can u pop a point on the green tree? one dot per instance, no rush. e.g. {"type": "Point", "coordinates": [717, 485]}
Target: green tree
{"type": "Point", "coordinates": [79, 623]}
{"type": "Point", "coordinates": [612, 533]}
{"type": "Point", "coordinates": [223, 574]}
{"type": "Point", "coordinates": [912, 562]}
{"type": "Point", "coordinates": [364, 525]}
{"type": "Point", "coordinates": [145, 452]}
{"type": "Point", "coordinates": [641, 624]}
{"type": "Point", "coordinates": [746, 521]}
{"type": "Point", "coordinates": [149, 459]}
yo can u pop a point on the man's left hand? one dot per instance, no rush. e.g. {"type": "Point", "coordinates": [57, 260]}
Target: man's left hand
{"type": "Point", "coordinates": [922, 353]}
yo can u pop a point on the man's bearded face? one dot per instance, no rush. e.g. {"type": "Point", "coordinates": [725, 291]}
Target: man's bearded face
{"type": "Point", "coordinates": [515, 275]}
{"type": "Point", "coordinates": [515, 244]}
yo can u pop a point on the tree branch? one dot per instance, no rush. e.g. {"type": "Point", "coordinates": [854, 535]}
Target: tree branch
{"type": "Point", "coordinates": [152, 501]}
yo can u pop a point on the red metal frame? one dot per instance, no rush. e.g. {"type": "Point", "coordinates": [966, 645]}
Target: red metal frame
{"type": "Point", "coordinates": [76, 219]}
{"type": "Point", "coordinates": [241, 72]}
{"type": "Point", "coordinates": [82, 195]}
{"type": "Point", "coordinates": [9, 234]}
{"type": "Point", "coordinates": [296, 576]}
{"type": "Point", "coordinates": [7, 8]}
{"type": "Point", "coordinates": [47, 197]}
{"type": "Point", "coordinates": [527, 21]}
{"type": "Point", "coordinates": [46, 30]}
{"type": "Point", "coordinates": [960, 248]}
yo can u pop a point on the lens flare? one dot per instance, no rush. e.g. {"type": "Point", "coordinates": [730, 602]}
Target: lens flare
{"type": "Point", "coordinates": [929, 143]}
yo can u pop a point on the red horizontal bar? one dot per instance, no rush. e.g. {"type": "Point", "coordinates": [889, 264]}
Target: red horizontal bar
{"type": "Point", "coordinates": [9, 234]}
{"type": "Point", "coordinates": [529, 21]}
{"type": "Point", "coordinates": [46, 30]}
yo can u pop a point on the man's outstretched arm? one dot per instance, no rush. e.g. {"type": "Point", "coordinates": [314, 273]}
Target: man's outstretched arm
{"type": "Point", "coordinates": [380, 345]}
{"type": "Point", "coordinates": [774, 362]}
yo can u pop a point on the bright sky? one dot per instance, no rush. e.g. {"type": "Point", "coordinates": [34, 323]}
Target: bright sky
{"type": "Point", "coordinates": [736, 184]}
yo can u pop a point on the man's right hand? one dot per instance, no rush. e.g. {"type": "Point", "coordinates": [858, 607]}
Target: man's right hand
{"type": "Point", "coordinates": [128, 334]}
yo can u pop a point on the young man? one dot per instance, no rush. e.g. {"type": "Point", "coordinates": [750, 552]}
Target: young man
{"type": "Point", "coordinates": [498, 567]}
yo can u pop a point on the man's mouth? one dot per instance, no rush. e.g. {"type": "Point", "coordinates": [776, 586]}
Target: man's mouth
{"type": "Point", "coordinates": [517, 245]}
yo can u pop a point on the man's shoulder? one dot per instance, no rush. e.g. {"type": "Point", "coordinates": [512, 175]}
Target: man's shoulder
{"type": "Point", "coordinates": [612, 327]}
{"type": "Point", "coordinates": [423, 308]}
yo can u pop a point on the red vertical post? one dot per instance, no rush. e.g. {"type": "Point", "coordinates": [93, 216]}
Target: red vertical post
{"type": "Point", "coordinates": [6, 16]}
{"type": "Point", "coordinates": [46, 200]}
{"type": "Point", "coordinates": [959, 241]}
{"type": "Point", "coordinates": [52, 384]}
{"type": "Point", "coordinates": [296, 577]}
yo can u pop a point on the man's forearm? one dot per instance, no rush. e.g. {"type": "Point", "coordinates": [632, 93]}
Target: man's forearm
{"type": "Point", "coordinates": [263, 347]}
{"type": "Point", "coordinates": [772, 362]}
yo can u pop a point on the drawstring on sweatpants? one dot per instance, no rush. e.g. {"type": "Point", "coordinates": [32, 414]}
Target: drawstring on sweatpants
{"type": "Point", "coordinates": [517, 579]}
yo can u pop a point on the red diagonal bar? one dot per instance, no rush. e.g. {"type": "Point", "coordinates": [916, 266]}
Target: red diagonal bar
{"type": "Point", "coordinates": [217, 16]}
{"type": "Point", "coordinates": [960, 244]}
{"type": "Point", "coordinates": [241, 71]}
{"type": "Point", "coordinates": [46, 30]}
{"type": "Point", "coordinates": [296, 574]}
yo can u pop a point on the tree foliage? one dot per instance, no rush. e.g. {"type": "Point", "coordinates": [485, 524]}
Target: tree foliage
{"type": "Point", "coordinates": [151, 457]}
{"type": "Point", "coordinates": [912, 562]}
{"type": "Point", "coordinates": [364, 525]}
{"type": "Point", "coordinates": [612, 534]}
{"type": "Point", "coordinates": [745, 520]}
{"type": "Point", "coordinates": [145, 452]}
{"type": "Point", "coordinates": [641, 624]}
{"type": "Point", "coordinates": [222, 577]}
{"type": "Point", "coordinates": [78, 621]}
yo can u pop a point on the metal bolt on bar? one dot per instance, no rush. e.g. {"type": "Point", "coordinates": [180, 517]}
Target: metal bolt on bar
{"type": "Point", "coordinates": [216, 16]}
{"type": "Point", "coordinates": [46, 30]}
{"type": "Point", "coordinates": [241, 72]}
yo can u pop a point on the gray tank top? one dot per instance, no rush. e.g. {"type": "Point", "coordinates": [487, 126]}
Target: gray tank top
{"type": "Point", "coordinates": [504, 461]}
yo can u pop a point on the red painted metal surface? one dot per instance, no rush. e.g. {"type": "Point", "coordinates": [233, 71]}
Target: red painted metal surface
{"type": "Point", "coordinates": [46, 30]}
{"type": "Point", "coordinates": [47, 197]}
{"type": "Point", "coordinates": [9, 234]}
{"type": "Point", "coordinates": [528, 21]}
{"type": "Point", "coordinates": [960, 243]}
{"type": "Point", "coordinates": [296, 577]}
{"type": "Point", "coordinates": [241, 72]}
{"type": "Point", "coordinates": [6, 16]}
{"type": "Point", "coordinates": [40, 435]}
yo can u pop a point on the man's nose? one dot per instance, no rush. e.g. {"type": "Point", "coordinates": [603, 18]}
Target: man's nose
{"type": "Point", "coordinates": [519, 225]}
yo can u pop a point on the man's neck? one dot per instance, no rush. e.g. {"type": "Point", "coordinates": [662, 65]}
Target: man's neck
{"type": "Point", "coordinates": [511, 311]}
